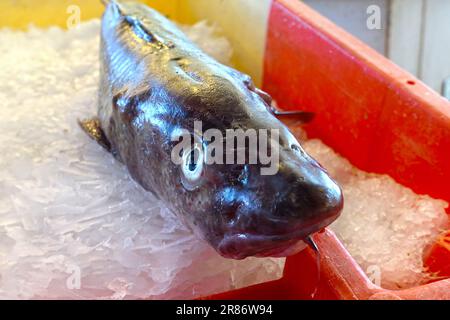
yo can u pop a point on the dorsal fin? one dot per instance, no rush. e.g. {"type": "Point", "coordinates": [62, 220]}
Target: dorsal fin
{"type": "Point", "coordinates": [106, 2]}
{"type": "Point", "coordinates": [140, 30]}
{"type": "Point", "coordinates": [137, 26]}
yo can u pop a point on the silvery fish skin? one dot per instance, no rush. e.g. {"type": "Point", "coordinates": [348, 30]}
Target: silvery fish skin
{"type": "Point", "coordinates": [155, 81]}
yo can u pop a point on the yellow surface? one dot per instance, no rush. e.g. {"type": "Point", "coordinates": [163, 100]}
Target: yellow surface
{"type": "Point", "coordinates": [20, 13]}
{"type": "Point", "coordinates": [242, 21]}
{"type": "Point", "coordinates": [245, 24]}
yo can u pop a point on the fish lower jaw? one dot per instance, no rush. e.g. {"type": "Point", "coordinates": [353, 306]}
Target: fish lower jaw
{"type": "Point", "coordinates": [242, 246]}
{"type": "Point", "coordinates": [290, 250]}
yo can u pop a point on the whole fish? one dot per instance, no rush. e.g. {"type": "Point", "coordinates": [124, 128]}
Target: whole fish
{"type": "Point", "coordinates": [156, 82]}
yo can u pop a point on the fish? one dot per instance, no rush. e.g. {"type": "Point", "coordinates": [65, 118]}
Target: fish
{"type": "Point", "coordinates": [155, 82]}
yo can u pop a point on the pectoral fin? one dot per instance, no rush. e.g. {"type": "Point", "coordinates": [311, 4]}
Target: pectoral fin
{"type": "Point", "coordinates": [93, 129]}
{"type": "Point", "coordinates": [300, 116]}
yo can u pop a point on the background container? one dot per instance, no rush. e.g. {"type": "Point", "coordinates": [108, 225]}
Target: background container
{"type": "Point", "coordinates": [368, 109]}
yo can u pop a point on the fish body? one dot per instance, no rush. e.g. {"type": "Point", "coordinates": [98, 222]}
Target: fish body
{"type": "Point", "coordinates": [154, 83]}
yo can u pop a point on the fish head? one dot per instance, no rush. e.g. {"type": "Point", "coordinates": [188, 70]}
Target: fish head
{"type": "Point", "coordinates": [271, 215]}
{"type": "Point", "coordinates": [249, 208]}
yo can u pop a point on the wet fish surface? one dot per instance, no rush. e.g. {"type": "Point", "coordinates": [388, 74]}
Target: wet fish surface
{"type": "Point", "coordinates": [154, 83]}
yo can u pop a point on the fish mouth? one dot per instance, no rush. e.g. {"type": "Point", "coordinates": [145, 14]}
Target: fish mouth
{"type": "Point", "coordinates": [245, 244]}
{"type": "Point", "coordinates": [284, 251]}
{"type": "Point", "coordinates": [241, 246]}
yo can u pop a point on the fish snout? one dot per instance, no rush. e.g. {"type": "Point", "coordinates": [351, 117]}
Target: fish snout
{"type": "Point", "coordinates": [309, 200]}
{"type": "Point", "coordinates": [274, 218]}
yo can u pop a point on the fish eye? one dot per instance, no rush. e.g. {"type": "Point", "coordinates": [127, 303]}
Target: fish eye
{"type": "Point", "coordinates": [191, 162]}
{"type": "Point", "coordinates": [192, 166]}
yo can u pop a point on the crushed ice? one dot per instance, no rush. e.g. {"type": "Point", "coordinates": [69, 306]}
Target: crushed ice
{"type": "Point", "coordinates": [74, 225]}
{"type": "Point", "coordinates": [385, 226]}
{"type": "Point", "coordinates": [72, 222]}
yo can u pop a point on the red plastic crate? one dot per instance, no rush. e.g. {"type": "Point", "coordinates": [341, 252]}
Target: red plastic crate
{"type": "Point", "coordinates": [372, 112]}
